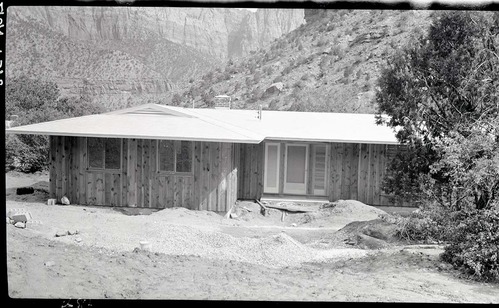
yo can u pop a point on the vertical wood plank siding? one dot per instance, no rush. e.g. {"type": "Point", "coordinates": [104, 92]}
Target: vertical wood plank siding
{"type": "Point", "coordinates": [211, 186]}
{"type": "Point", "coordinates": [221, 174]}
{"type": "Point", "coordinates": [251, 162]}
{"type": "Point", "coordinates": [357, 171]}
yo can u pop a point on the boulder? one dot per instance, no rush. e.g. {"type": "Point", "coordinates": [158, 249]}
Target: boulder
{"type": "Point", "coordinates": [21, 217]}
{"type": "Point", "coordinates": [73, 232]}
{"type": "Point", "coordinates": [49, 263]}
{"type": "Point", "coordinates": [65, 201]}
{"type": "Point", "coordinates": [275, 88]}
{"type": "Point", "coordinates": [61, 233]}
{"type": "Point", "coordinates": [20, 224]}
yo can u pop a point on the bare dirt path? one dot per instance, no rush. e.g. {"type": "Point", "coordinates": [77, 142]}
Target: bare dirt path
{"type": "Point", "coordinates": [201, 255]}
{"type": "Point", "coordinates": [52, 269]}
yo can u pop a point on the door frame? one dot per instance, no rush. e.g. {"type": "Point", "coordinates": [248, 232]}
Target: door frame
{"type": "Point", "coordinates": [295, 188]}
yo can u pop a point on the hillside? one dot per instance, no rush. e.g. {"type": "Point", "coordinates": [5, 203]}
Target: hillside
{"type": "Point", "coordinates": [331, 63]}
{"type": "Point", "coordinates": [122, 56]}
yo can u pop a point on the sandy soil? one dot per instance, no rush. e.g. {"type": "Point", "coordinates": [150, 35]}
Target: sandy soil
{"type": "Point", "coordinates": [201, 255]}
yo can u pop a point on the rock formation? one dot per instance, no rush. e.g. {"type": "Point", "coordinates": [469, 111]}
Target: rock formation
{"type": "Point", "coordinates": [219, 32]}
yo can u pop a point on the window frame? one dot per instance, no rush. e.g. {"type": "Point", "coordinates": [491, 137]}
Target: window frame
{"type": "Point", "coordinates": [174, 172]}
{"type": "Point", "coordinates": [104, 169]}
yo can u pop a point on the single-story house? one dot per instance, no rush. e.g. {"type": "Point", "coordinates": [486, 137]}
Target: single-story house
{"type": "Point", "coordinates": [205, 159]}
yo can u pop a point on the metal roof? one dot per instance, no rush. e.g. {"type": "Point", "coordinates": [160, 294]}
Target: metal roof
{"type": "Point", "coordinates": [306, 126]}
{"type": "Point", "coordinates": [152, 121]}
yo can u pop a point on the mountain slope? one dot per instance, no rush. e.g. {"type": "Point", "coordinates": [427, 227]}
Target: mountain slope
{"type": "Point", "coordinates": [124, 56]}
{"type": "Point", "coordinates": [331, 63]}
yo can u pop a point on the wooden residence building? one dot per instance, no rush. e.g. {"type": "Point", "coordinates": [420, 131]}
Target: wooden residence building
{"type": "Point", "coordinates": [160, 156]}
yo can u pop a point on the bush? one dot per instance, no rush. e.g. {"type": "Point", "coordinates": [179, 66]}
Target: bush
{"type": "Point", "coordinates": [474, 246]}
{"type": "Point", "coordinates": [278, 79]}
{"type": "Point", "coordinates": [429, 224]}
{"type": "Point", "coordinates": [24, 158]}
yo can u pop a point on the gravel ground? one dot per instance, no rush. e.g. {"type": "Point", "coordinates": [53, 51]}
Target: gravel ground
{"type": "Point", "coordinates": [205, 256]}
{"type": "Point", "coordinates": [179, 231]}
{"type": "Point", "coordinates": [176, 231]}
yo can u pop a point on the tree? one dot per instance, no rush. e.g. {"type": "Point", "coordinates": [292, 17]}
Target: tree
{"type": "Point", "coordinates": [37, 101]}
{"type": "Point", "coordinates": [441, 94]}
{"type": "Point", "coordinates": [471, 163]}
{"type": "Point", "coordinates": [23, 93]}
{"type": "Point", "coordinates": [441, 86]}
{"type": "Point", "coordinates": [176, 99]}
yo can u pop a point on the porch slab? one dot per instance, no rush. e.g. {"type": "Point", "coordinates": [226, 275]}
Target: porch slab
{"type": "Point", "coordinates": [298, 199]}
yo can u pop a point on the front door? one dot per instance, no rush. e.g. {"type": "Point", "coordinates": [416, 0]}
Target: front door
{"type": "Point", "coordinates": [295, 169]}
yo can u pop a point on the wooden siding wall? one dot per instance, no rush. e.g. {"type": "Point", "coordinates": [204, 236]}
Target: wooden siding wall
{"type": "Point", "coordinates": [250, 165]}
{"type": "Point", "coordinates": [357, 171]}
{"type": "Point", "coordinates": [211, 186]}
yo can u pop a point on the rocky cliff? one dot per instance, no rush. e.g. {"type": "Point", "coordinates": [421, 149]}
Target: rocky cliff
{"type": "Point", "coordinates": [130, 55]}
{"type": "Point", "coordinates": [218, 32]}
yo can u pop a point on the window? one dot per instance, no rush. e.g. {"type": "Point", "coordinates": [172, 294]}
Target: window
{"type": "Point", "coordinates": [175, 156]}
{"type": "Point", "coordinates": [104, 153]}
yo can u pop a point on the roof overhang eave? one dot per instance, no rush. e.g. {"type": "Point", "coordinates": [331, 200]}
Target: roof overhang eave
{"type": "Point", "coordinates": [96, 135]}
{"type": "Point", "coordinates": [290, 139]}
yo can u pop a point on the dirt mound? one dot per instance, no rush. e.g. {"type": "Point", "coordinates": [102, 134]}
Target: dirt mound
{"type": "Point", "coordinates": [376, 228]}
{"type": "Point", "coordinates": [330, 216]}
{"type": "Point", "coordinates": [344, 211]}
{"type": "Point", "coordinates": [131, 211]}
{"type": "Point", "coordinates": [40, 194]}
{"type": "Point", "coordinates": [354, 208]}
{"type": "Point", "coordinates": [372, 234]}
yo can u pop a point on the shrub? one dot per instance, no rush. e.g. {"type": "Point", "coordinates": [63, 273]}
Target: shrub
{"type": "Point", "coordinates": [288, 69]}
{"type": "Point", "coordinates": [274, 104]}
{"type": "Point", "coordinates": [305, 77]}
{"type": "Point", "coordinates": [348, 71]}
{"type": "Point", "coordinates": [299, 84]}
{"type": "Point", "coordinates": [278, 79]}
{"type": "Point", "coordinates": [257, 76]}
{"type": "Point", "coordinates": [474, 246]}
{"type": "Point", "coordinates": [324, 62]}
{"type": "Point", "coordinates": [268, 70]}
{"type": "Point", "coordinates": [321, 42]}
{"type": "Point", "coordinates": [24, 158]}
{"type": "Point", "coordinates": [427, 225]}
{"type": "Point", "coordinates": [176, 99]}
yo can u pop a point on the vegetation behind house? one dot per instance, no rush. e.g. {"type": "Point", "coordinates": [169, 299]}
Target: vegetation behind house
{"type": "Point", "coordinates": [34, 101]}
